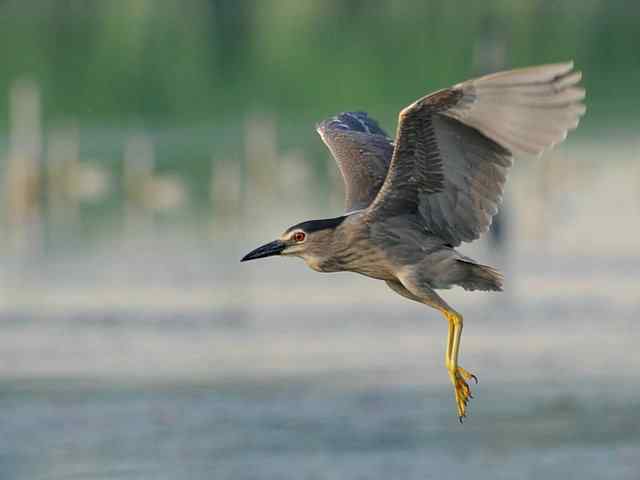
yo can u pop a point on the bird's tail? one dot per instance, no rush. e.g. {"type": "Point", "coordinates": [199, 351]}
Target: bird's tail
{"type": "Point", "coordinates": [480, 277]}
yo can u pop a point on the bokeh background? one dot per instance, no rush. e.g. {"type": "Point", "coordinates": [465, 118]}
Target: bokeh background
{"type": "Point", "coordinates": [146, 145]}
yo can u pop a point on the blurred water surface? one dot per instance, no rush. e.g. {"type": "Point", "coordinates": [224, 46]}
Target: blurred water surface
{"type": "Point", "coordinates": [194, 369]}
{"type": "Point", "coordinates": [312, 428]}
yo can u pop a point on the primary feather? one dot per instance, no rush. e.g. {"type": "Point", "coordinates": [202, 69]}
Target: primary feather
{"type": "Point", "coordinates": [453, 148]}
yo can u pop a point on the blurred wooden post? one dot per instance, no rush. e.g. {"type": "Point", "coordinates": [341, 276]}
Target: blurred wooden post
{"type": "Point", "coordinates": [138, 170]}
{"type": "Point", "coordinates": [261, 164]}
{"type": "Point", "coordinates": [225, 193]}
{"type": "Point", "coordinates": [295, 182]}
{"type": "Point", "coordinates": [63, 151]}
{"type": "Point", "coordinates": [22, 179]}
{"type": "Point", "coordinates": [145, 191]}
{"type": "Point", "coordinates": [273, 176]}
{"type": "Point", "coordinates": [70, 181]}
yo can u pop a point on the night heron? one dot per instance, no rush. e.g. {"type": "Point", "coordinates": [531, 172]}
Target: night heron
{"type": "Point", "coordinates": [411, 201]}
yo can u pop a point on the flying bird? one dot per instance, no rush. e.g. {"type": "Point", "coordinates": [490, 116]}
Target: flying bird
{"type": "Point", "coordinates": [412, 200]}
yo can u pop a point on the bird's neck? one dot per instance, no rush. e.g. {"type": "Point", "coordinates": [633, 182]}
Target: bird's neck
{"type": "Point", "coordinates": [350, 250]}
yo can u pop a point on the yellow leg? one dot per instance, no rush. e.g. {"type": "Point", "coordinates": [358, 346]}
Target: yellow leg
{"type": "Point", "coordinates": [457, 374]}
{"type": "Point", "coordinates": [447, 354]}
{"type": "Point", "coordinates": [407, 287]}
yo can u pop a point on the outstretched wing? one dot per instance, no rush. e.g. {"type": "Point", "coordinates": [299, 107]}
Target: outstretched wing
{"type": "Point", "coordinates": [454, 147]}
{"type": "Point", "coordinates": [363, 153]}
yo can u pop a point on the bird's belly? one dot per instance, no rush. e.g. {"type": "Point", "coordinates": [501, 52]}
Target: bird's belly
{"type": "Point", "coordinates": [377, 275]}
{"type": "Point", "coordinates": [372, 272]}
{"type": "Point", "coordinates": [379, 271]}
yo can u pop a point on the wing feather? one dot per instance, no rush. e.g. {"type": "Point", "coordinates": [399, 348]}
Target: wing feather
{"type": "Point", "coordinates": [454, 147]}
{"type": "Point", "coordinates": [362, 151]}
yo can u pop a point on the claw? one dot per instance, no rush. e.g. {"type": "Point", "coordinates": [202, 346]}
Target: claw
{"type": "Point", "coordinates": [463, 396]}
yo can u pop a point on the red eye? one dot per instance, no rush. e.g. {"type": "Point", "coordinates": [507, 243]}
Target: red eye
{"type": "Point", "coordinates": [299, 237]}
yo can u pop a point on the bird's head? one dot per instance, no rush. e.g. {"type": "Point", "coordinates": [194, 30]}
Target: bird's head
{"type": "Point", "coordinates": [311, 241]}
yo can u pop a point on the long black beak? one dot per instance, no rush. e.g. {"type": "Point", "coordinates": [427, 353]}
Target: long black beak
{"type": "Point", "coordinates": [274, 248]}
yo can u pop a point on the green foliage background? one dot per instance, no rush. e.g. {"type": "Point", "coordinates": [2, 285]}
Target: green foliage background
{"type": "Point", "coordinates": [192, 72]}
{"type": "Point", "coordinates": [172, 61]}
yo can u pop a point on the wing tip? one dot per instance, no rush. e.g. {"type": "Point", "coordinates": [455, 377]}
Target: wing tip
{"type": "Point", "coordinates": [554, 88]}
{"type": "Point", "coordinates": [549, 72]}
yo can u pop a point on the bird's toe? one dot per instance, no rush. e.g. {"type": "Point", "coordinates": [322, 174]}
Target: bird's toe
{"type": "Point", "coordinates": [462, 390]}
